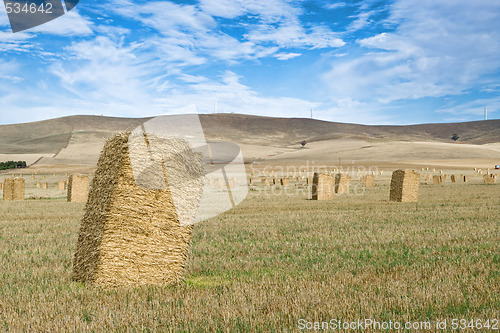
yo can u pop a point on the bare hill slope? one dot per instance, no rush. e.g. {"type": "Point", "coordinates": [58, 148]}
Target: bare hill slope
{"type": "Point", "coordinates": [79, 139]}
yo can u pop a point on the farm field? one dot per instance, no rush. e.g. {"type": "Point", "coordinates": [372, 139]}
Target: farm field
{"type": "Point", "coordinates": [273, 260]}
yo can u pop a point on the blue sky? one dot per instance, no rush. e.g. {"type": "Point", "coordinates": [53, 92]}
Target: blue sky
{"type": "Point", "coordinates": [369, 62]}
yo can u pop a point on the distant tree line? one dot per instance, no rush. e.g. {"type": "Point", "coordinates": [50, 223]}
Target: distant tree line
{"type": "Point", "coordinates": [12, 165]}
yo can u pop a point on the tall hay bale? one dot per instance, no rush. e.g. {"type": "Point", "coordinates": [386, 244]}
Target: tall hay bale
{"type": "Point", "coordinates": [453, 179]}
{"type": "Point", "coordinates": [276, 181]}
{"type": "Point", "coordinates": [45, 185]}
{"type": "Point", "coordinates": [465, 179]}
{"type": "Point", "coordinates": [369, 181]}
{"type": "Point", "coordinates": [132, 235]}
{"type": "Point", "coordinates": [323, 186]}
{"type": "Point", "coordinates": [19, 188]}
{"type": "Point", "coordinates": [285, 181]}
{"type": "Point", "coordinates": [38, 185]}
{"type": "Point", "coordinates": [61, 185]}
{"type": "Point", "coordinates": [78, 188]}
{"type": "Point", "coordinates": [13, 189]}
{"type": "Point", "coordinates": [342, 182]}
{"type": "Point", "coordinates": [265, 181]}
{"type": "Point", "coordinates": [437, 180]}
{"type": "Point", "coordinates": [404, 186]}
{"type": "Point", "coordinates": [8, 189]}
{"type": "Point", "coordinates": [1, 186]}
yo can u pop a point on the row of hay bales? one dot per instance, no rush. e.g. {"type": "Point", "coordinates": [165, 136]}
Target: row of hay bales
{"type": "Point", "coordinates": [77, 189]}
{"type": "Point", "coordinates": [404, 185]}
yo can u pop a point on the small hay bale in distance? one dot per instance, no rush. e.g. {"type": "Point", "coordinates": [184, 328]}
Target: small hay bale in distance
{"type": "Point", "coordinates": [453, 178]}
{"type": "Point", "coordinates": [8, 189]}
{"type": "Point", "coordinates": [437, 180]}
{"type": "Point", "coordinates": [465, 179]}
{"type": "Point", "coordinates": [342, 182]}
{"type": "Point", "coordinates": [368, 181]}
{"type": "Point", "coordinates": [13, 189]}
{"type": "Point", "coordinates": [61, 185]}
{"type": "Point", "coordinates": [490, 179]}
{"type": "Point", "coordinates": [323, 186]}
{"type": "Point", "coordinates": [285, 181]}
{"type": "Point", "coordinates": [130, 234]}
{"type": "Point", "coordinates": [78, 188]}
{"type": "Point", "coordinates": [404, 186]}
{"type": "Point", "coordinates": [45, 185]}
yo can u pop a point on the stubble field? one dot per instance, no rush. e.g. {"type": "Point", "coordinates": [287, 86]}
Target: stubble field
{"type": "Point", "coordinates": [270, 262]}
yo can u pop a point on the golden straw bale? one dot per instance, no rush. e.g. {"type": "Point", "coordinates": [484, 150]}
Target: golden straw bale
{"type": "Point", "coordinates": [368, 181]}
{"type": "Point", "coordinates": [453, 179]}
{"type": "Point", "coordinates": [404, 186]}
{"type": "Point", "coordinates": [78, 188]}
{"type": "Point", "coordinates": [13, 189]}
{"type": "Point", "coordinates": [133, 235]}
{"type": "Point", "coordinates": [61, 185]}
{"type": "Point", "coordinates": [465, 179]}
{"type": "Point", "coordinates": [8, 189]}
{"type": "Point", "coordinates": [38, 185]}
{"type": "Point", "coordinates": [437, 179]}
{"type": "Point", "coordinates": [45, 185]}
{"type": "Point", "coordinates": [490, 179]}
{"type": "Point", "coordinates": [285, 181]}
{"type": "Point", "coordinates": [342, 182]}
{"type": "Point", "coordinates": [265, 181]}
{"type": "Point", "coordinates": [323, 186]}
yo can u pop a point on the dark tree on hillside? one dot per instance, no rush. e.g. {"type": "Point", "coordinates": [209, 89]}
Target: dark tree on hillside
{"type": "Point", "coordinates": [303, 143]}
{"type": "Point", "coordinates": [455, 137]}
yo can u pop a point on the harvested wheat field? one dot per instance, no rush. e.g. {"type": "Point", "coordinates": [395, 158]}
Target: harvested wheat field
{"type": "Point", "coordinates": [271, 261]}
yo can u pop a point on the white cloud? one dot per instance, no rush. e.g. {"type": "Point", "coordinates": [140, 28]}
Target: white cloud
{"type": "Point", "coordinates": [70, 24]}
{"type": "Point", "coordinates": [474, 108]}
{"type": "Point", "coordinates": [335, 5]}
{"type": "Point", "coordinates": [287, 56]}
{"type": "Point", "coordinates": [438, 49]}
{"type": "Point", "coordinates": [194, 29]}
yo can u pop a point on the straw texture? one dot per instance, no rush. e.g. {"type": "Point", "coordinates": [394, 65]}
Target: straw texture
{"type": "Point", "coordinates": [78, 188]}
{"type": "Point", "coordinates": [13, 189]}
{"type": "Point", "coordinates": [368, 181]}
{"type": "Point", "coordinates": [404, 186]}
{"type": "Point", "coordinates": [342, 182]}
{"type": "Point", "coordinates": [131, 235]}
{"type": "Point", "coordinates": [323, 186]}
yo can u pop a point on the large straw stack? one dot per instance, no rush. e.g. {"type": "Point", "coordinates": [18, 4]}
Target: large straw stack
{"type": "Point", "coordinates": [323, 186]}
{"type": "Point", "coordinates": [342, 183]}
{"type": "Point", "coordinates": [130, 234]}
{"type": "Point", "coordinates": [13, 189]}
{"type": "Point", "coordinates": [78, 188]}
{"type": "Point", "coordinates": [404, 186]}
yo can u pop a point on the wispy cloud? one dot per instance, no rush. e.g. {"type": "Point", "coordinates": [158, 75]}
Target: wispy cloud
{"type": "Point", "coordinates": [438, 49]}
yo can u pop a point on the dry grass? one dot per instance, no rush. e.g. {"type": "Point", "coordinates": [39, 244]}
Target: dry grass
{"type": "Point", "coordinates": [262, 268]}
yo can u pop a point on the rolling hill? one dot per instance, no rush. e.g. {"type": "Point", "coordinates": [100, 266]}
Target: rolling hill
{"type": "Point", "coordinates": [79, 139]}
